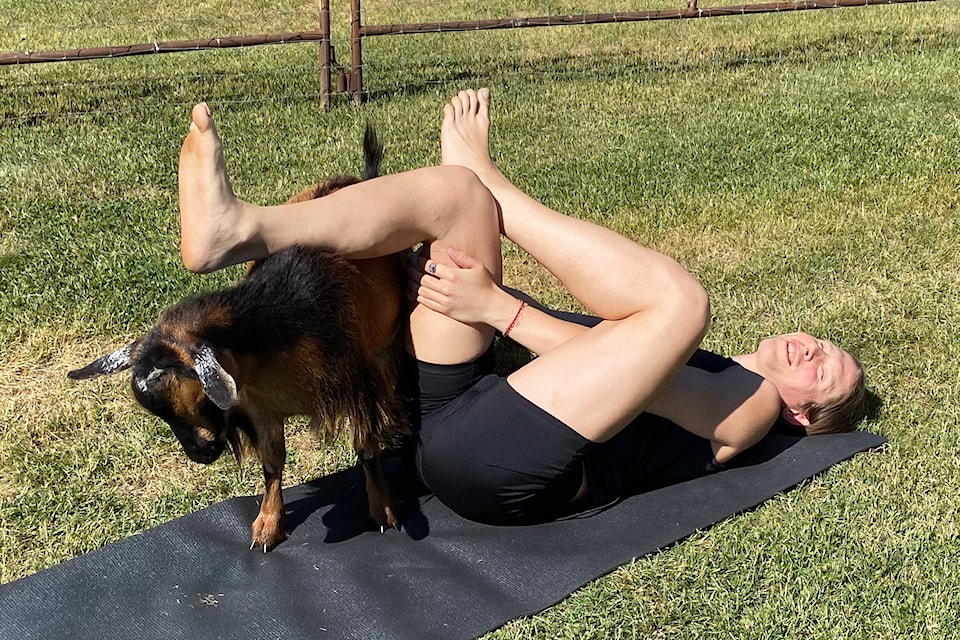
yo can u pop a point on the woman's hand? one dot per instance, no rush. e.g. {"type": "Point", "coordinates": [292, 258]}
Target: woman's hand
{"type": "Point", "coordinates": [465, 292]}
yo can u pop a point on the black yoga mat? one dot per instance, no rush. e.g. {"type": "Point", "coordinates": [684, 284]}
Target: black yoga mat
{"type": "Point", "coordinates": [441, 577]}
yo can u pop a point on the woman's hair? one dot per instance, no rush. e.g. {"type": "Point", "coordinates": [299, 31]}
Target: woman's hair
{"type": "Point", "coordinates": [839, 415]}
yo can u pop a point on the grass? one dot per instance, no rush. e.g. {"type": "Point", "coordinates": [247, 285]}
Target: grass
{"type": "Point", "coordinates": [805, 166]}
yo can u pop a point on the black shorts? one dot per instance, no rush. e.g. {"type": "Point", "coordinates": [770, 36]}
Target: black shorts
{"type": "Point", "coordinates": [493, 456]}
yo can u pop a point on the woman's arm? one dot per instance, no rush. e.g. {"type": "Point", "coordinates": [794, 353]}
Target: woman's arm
{"type": "Point", "coordinates": [733, 408]}
{"type": "Point", "coordinates": [470, 295]}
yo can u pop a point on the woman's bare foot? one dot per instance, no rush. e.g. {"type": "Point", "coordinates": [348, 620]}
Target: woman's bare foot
{"type": "Point", "coordinates": [465, 141]}
{"type": "Point", "coordinates": [212, 224]}
{"type": "Point", "coordinates": [465, 132]}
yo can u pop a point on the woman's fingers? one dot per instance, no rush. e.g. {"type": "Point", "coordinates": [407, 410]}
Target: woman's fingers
{"type": "Point", "coordinates": [461, 258]}
{"type": "Point", "coordinates": [426, 285]}
{"type": "Point", "coordinates": [430, 299]}
{"type": "Point", "coordinates": [431, 274]}
{"type": "Point", "coordinates": [455, 290]}
{"type": "Point", "coordinates": [426, 278]}
{"type": "Point", "coordinates": [425, 265]}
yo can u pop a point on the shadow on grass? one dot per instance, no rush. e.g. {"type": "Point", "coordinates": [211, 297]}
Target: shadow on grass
{"type": "Point", "coordinates": [873, 406]}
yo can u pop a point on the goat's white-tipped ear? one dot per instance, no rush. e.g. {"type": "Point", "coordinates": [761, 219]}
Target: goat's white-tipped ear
{"type": "Point", "coordinates": [219, 385]}
{"type": "Point", "coordinates": [114, 362]}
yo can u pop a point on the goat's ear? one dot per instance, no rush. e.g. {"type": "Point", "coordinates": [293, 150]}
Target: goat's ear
{"type": "Point", "coordinates": [217, 383]}
{"type": "Point", "coordinates": [114, 362]}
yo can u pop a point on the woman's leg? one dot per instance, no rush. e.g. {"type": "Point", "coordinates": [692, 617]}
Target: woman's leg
{"type": "Point", "coordinates": [441, 206]}
{"type": "Point", "coordinates": [657, 312]}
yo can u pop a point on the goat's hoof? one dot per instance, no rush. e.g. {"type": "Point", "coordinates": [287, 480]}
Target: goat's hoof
{"type": "Point", "coordinates": [391, 521]}
{"type": "Point", "coordinates": [385, 519]}
{"type": "Point", "coordinates": [266, 538]}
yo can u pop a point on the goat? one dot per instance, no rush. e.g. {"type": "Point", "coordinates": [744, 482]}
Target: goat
{"type": "Point", "coordinates": [304, 333]}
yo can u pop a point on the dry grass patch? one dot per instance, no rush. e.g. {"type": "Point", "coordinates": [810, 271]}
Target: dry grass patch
{"type": "Point", "coordinates": [34, 384]}
{"type": "Point", "coordinates": [8, 487]}
{"type": "Point", "coordinates": [8, 240]}
{"type": "Point", "coordinates": [309, 457]}
{"type": "Point", "coordinates": [46, 411]}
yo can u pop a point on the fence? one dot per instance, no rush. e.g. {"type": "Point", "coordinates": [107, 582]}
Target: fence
{"type": "Point", "coordinates": [692, 10]}
{"type": "Point", "coordinates": [335, 78]}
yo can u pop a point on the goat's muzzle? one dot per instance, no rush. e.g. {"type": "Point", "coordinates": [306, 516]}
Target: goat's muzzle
{"type": "Point", "coordinates": [198, 448]}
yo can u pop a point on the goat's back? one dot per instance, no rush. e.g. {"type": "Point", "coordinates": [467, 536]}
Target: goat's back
{"type": "Point", "coordinates": [301, 290]}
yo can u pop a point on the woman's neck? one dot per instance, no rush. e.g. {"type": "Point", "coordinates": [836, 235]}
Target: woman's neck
{"type": "Point", "coordinates": [749, 362]}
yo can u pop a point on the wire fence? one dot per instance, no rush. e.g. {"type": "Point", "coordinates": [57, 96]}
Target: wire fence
{"type": "Point", "coordinates": [334, 52]}
{"type": "Point", "coordinates": [691, 10]}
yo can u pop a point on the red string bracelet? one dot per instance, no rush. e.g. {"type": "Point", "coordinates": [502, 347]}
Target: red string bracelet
{"type": "Point", "coordinates": [513, 323]}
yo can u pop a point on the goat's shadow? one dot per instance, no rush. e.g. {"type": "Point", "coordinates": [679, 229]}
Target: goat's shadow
{"type": "Point", "coordinates": [341, 501]}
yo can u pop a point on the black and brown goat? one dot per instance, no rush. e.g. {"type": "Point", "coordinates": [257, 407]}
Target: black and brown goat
{"type": "Point", "coordinates": [305, 333]}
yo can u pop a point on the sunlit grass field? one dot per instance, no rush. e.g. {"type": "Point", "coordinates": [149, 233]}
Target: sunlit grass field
{"type": "Point", "coordinates": [805, 166]}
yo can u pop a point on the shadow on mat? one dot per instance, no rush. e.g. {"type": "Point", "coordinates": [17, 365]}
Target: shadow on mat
{"type": "Point", "coordinates": [772, 445]}
{"type": "Point", "coordinates": [342, 499]}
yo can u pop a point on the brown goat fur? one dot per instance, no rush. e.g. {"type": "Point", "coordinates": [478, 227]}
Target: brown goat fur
{"type": "Point", "coordinates": [304, 333]}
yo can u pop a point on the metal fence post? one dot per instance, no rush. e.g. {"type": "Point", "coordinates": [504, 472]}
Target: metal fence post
{"type": "Point", "coordinates": [356, 54]}
{"type": "Point", "coordinates": [325, 60]}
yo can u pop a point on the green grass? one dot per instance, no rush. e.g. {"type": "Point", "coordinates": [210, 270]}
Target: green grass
{"type": "Point", "coordinates": [805, 166]}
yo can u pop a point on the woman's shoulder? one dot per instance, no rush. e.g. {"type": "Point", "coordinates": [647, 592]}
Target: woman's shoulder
{"type": "Point", "coordinates": [758, 396]}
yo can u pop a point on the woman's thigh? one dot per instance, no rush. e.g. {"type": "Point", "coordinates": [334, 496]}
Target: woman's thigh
{"type": "Point", "coordinates": [602, 379]}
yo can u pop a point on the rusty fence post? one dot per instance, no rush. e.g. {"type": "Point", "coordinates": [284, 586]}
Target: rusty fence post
{"type": "Point", "coordinates": [356, 54]}
{"type": "Point", "coordinates": [325, 58]}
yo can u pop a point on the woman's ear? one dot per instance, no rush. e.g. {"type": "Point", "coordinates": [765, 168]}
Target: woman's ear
{"type": "Point", "coordinates": [795, 416]}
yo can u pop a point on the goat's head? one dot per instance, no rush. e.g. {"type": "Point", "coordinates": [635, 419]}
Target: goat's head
{"type": "Point", "coordinates": [181, 383]}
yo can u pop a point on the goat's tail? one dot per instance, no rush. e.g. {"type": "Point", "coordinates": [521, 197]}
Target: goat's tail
{"type": "Point", "coordinates": [372, 153]}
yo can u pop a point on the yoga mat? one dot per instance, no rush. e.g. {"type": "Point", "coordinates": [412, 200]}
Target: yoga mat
{"type": "Point", "coordinates": [440, 577]}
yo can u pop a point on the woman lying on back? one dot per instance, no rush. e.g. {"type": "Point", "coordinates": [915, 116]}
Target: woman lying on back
{"type": "Point", "coordinates": [567, 430]}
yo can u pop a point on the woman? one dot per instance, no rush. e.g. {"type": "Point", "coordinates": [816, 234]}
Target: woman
{"type": "Point", "coordinates": [553, 436]}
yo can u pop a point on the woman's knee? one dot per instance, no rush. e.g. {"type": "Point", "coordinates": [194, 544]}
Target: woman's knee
{"type": "Point", "coordinates": [691, 310]}
{"type": "Point", "coordinates": [460, 201]}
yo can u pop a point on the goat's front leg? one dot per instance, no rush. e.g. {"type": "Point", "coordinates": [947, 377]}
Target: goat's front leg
{"type": "Point", "coordinates": [268, 529]}
{"type": "Point", "coordinates": [379, 502]}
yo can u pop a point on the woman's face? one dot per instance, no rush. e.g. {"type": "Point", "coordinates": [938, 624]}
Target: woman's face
{"type": "Point", "coordinates": [806, 370]}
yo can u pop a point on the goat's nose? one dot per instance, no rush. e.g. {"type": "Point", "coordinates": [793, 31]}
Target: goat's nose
{"type": "Point", "coordinates": [205, 455]}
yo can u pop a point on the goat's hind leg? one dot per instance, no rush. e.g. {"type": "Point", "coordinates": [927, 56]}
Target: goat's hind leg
{"type": "Point", "coordinates": [379, 502]}
{"type": "Point", "coordinates": [380, 423]}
